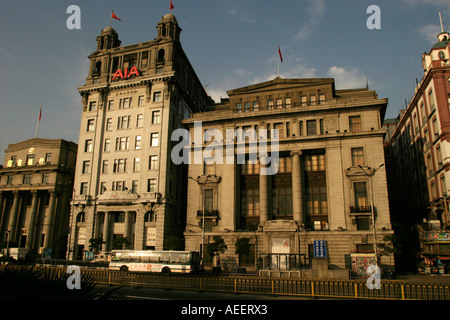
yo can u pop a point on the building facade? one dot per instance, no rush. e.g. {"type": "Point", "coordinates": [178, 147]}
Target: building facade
{"type": "Point", "coordinates": [125, 184]}
{"type": "Point", "coordinates": [418, 162]}
{"type": "Point", "coordinates": [35, 190]}
{"type": "Point", "coordinates": [330, 172]}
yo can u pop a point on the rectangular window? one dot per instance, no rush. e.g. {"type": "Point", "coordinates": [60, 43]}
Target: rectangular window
{"type": "Point", "coordinates": [354, 123]}
{"type": "Point", "coordinates": [27, 179]}
{"type": "Point", "coordinates": [322, 98]}
{"type": "Point", "coordinates": [314, 162]}
{"type": "Point", "coordinates": [311, 127]}
{"type": "Point", "coordinates": [86, 167]}
{"type": "Point", "coordinates": [209, 200]}
{"type": "Point", "coordinates": [140, 101]}
{"type": "Point", "coordinates": [137, 164]}
{"type": "Point", "coordinates": [122, 143]}
{"type": "Point", "coordinates": [102, 187]}
{"type": "Point", "coordinates": [88, 146]}
{"type": "Point", "coordinates": [304, 101]}
{"type": "Point", "coordinates": [238, 107]}
{"type": "Point", "coordinates": [83, 188]}
{"type": "Point", "coordinates": [361, 200]}
{"type": "Point", "coordinates": [110, 105]}
{"type": "Point", "coordinates": [48, 157]}
{"type": "Point", "coordinates": [105, 166]}
{"type": "Point", "coordinates": [270, 104]}
{"type": "Point", "coordinates": [92, 106]}
{"type": "Point", "coordinates": [9, 180]}
{"type": "Point", "coordinates": [312, 99]}
{"type": "Point", "coordinates": [153, 162]}
{"type": "Point", "coordinates": [280, 128]}
{"type": "Point", "coordinates": [45, 178]}
{"type": "Point", "coordinates": [157, 96]}
{"type": "Point", "coordinates": [279, 103]}
{"type": "Point", "coordinates": [120, 165]}
{"type": "Point", "coordinates": [358, 157]}
{"type": "Point", "coordinates": [139, 121]}
{"type": "Point", "coordinates": [151, 185]}
{"type": "Point", "coordinates": [107, 145]}
{"type": "Point", "coordinates": [108, 124]}
{"type": "Point", "coordinates": [126, 103]}
{"type": "Point", "coordinates": [255, 106]}
{"type": "Point", "coordinates": [288, 102]}
{"type": "Point", "coordinates": [137, 142]}
{"type": "Point", "coordinates": [246, 106]}
{"type": "Point", "coordinates": [90, 125]}
{"type": "Point", "coordinates": [134, 186]}
{"type": "Point", "coordinates": [154, 139]}
{"type": "Point", "coordinates": [156, 117]}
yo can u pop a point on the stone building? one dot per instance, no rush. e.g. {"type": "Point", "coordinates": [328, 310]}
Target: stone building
{"type": "Point", "coordinates": [330, 152]}
{"type": "Point", "coordinates": [418, 156]}
{"type": "Point", "coordinates": [125, 184]}
{"type": "Point", "coordinates": [36, 185]}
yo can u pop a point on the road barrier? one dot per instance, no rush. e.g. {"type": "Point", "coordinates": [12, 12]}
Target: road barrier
{"type": "Point", "coordinates": [348, 289]}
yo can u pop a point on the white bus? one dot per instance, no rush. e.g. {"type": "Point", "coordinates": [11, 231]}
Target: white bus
{"type": "Point", "coordinates": [155, 261]}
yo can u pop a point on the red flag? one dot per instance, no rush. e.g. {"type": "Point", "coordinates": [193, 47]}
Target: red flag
{"type": "Point", "coordinates": [171, 5]}
{"type": "Point", "coordinates": [114, 16]}
{"type": "Point", "coordinates": [279, 52]}
{"type": "Point", "coordinates": [40, 113]}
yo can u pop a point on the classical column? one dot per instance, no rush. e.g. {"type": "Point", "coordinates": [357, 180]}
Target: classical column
{"type": "Point", "coordinates": [49, 220]}
{"type": "Point", "coordinates": [13, 216]}
{"type": "Point", "coordinates": [297, 192]}
{"type": "Point", "coordinates": [127, 226]}
{"type": "Point", "coordinates": [32, 224]}
{"type": "Point", "coordinates": [264, 196]}
{"type": "Point", "coordinates": [106, 231]}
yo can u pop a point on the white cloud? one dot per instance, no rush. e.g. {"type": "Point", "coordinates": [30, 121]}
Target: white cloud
{"type": "Point", "coordinates": [315, 13]}
{"type": "Point", "coordinates": [236, 11]}
{"type": "Point", "coordinates": [347, 78]}
{"type": "Point", "coordinates": [242, 72]}
{"type": "Point", "coordinates": [430, 32]}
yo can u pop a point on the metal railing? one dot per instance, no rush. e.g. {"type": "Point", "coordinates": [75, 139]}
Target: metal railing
{"type": "Point", "coordinates": [348, 289]}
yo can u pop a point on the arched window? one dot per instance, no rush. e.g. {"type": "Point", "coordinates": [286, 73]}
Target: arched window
{"type": "Point", "coordinates": [81, 217]}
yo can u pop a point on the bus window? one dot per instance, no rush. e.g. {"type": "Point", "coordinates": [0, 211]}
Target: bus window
{"type": "Point", "coordinates": [164, 257]}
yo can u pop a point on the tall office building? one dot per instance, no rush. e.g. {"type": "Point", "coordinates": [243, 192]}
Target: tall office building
{"type": "Point", "coordinates": [126, 185]}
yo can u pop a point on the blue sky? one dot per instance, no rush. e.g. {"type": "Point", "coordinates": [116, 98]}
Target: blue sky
{"type": "Point", "coordinates": [230, 43]}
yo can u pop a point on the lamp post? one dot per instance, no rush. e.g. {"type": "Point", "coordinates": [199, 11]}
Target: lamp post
{"type": "Point", "coordinates": [202, 184]}
{"type": "Point", "coordinates": [370, 175]}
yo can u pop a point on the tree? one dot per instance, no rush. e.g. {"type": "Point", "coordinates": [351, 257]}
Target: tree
{"type": "Point", "coordinates": [121, 243]}
{"type": "Point", "coordinates": [242, 247]}
{"type": "Point", "coordinates": [95, 244]}
{"type": "Point", "coordinates": [217, 246]}
{"type": "Point", "coordinates": [389, 247]}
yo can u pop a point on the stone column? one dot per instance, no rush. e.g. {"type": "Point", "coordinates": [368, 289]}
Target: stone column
{"type": "Point", "coordinates": [106, 231]}
{"type": "Point", "coordinates": [13, 216]}
{"type": "Point", "coordinates": [32, 225]}
{"type": "Point", "coordinates": [297, 192]}
{"type": "Point", "coordinates": [264, 197]}
{"type": "Point", "coordinates": [49, 220]}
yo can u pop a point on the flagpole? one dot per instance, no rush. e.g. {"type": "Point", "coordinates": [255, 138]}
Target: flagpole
{"type": "Point", "coordinates": [110, 21]}
{"type": "Point", "coordinates": [278, 54]}
{"type": "Point", "coordinates": [39, 120]}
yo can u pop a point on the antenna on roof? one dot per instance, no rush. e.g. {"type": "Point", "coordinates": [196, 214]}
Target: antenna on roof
{"type": "Point", "coordinates": [440, 18]}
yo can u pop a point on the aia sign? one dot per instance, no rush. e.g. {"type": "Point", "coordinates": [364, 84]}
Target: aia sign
{"type": "Point", "coordinates": [125, 74]}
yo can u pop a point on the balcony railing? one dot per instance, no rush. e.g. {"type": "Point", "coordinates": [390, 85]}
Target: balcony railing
{"type": "Point", "coordinates": [361, 209]}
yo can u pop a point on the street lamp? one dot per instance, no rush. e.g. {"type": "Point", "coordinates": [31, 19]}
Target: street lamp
{"type": "Point", "coordinates": [370, 175]}
{"type": "Point", "coordinates": [202, 184]}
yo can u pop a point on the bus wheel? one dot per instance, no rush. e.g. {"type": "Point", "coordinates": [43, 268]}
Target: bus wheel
{"type": "Point", "coordinates": [123, 268]}
{"type": "Point", "coordinates": [165, 271]}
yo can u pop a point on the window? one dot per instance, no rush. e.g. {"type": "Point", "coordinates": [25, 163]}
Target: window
{"type": "Point", "coordinates": [48, 157]}
{"type": "Point", "coordinates": [86, 167]}
{"type": "Point", "coordinates": [83, 188]}
{"type": "Point", "coordinates": [300, 128]}
{"type": "Point", "coordinates": [357, 157]}
{"type": "Point", "coordinates": [156, 117]}
{"type": "Point", "coordinates": [304, 101]}
{"type": "Point", "coordinates": [157, 96]}
{"type": "Point", "coordinates": [9, 180]}
{"type": "Point", "coordinates": [209, 200]}
{"type": "Point", "coordinates": [280, 128]}
{"type": "Point", "coordinates": [102, 187]}
{"type": "Point", "coordinates": [108, 124]}
{"type": "Point", "coordinates": [92, 106]}
{"type": "Point", "coordinates": [134, 186]}
{"type": "Point", "coordinates": [27, 179]}
{"type": "Point", "coordinates": [316, 200]}
{"type": "Point", "coordinates": [312, 99]}
{"type": "Point", "coordinates": [362, 223]}
{"type": "Point", "coordinates": [354, 123]}
{"type": "Point", "coordinates": [140, 101]}
{"type": "Point", "coordinates": [270, 104]}
{"type": "Point", "coordinates": [123, 122]}
{"type": "Point", "coordinates": [137, 142]}
{"type": "Point", "coordinates": [88, 146]}
{"type": "Point", "coordinates": [153, 163]}
{"type": "Point", "coordinates": [151, 185]}
{"type": "Point", "coordinates": [431, 100]}
{"type": "Point", "coordinates": [111, 105]}
{"type": "Point", "coordinates": [90, 125]}
{"type": "Point", "coordinates": [255, 106]}
{"type": "Point", "coordinates": [154, 139]}
{"type": "Point", "coordinates": [136, 164]}
{"type": "Point", "coordinates": [122, 143]}
{"type": "Point", "coordinates": [118, 186]}
{"type": "Point", "coordinates": [322, 98]}
{"type": "Point", "coordinates": [238, 107]}
{"type": "Point", "coordinates": [311, 127]}
{"type": "Point", "coordinates": [279, 103]}
{"type": "Point", "coordinates": [139, 121]}
{"type": "Point", "coordinates": [120, 165]}
{"type": "Point", "coordinates": [288, 102]}
{"type": "Point", "coordinates": [361, 200]}
{"type": "Point", "coordinates": [443, 186]}
{"type": "Point", "coordinates": [105, 166]}
{"type": "Point", "coordinates": [246, 106]}
{"type": "Point", "coordinates": [315, 162]}
{"type": "Point", "coordinates": [45, 178]}
{"type": "Point", "coordinates": [126, 103]}
{"type": "Point", "coordinates": [107, 145]}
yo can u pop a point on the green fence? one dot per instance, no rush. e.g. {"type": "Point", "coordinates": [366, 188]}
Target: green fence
{"type": "Point", "coordinates": [349, 289]}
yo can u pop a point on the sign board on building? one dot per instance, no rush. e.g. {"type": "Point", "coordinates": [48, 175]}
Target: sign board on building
{"type": "Point", "coordinates": [320, 250]}
{"type": "Point", "coordinates": [151, 237]}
